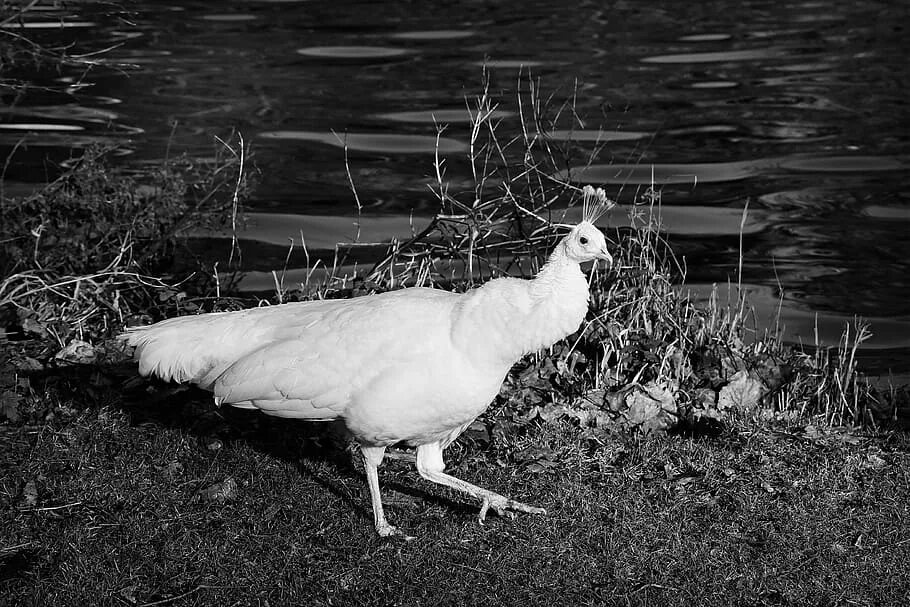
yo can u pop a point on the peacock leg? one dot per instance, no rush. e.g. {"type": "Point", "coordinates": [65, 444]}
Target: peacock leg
{"type": "Point", "coordinates": [430, 465]}
{"type": "Point", "coordinates": [372, 457]}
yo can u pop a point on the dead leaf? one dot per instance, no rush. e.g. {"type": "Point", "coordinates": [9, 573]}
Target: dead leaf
{"type": "Point", "coordinates": [604, 420]}
{"type": "Point", "coordinates": [129, 593]}
{"type": "Point", "coordinates": [874, 461]}
{"type": "Point", "coordinates": [29, 365]}
{"type": "Point", "coordinates": [742, 393]}
{"type": "Point", "coordinates": [9, 405]}
{"type": "Point", "coordinates": [172, 470]}
{"type": "Point", "coordinates": [551, 412]}
{"type": "Point", "coordinates": [682, 368]}
{"type": "Point", "coordinates": [704, 403]}
{"type": "Point", "coordinates": [534, 453]}
{"type": "Point", "coordinates": [832, 434]}
{"type": "Point", "coordinates": [220, 492]}
{"type": "Point", "coordinates": [652, 407]}
{"type": "Point", "coordinates": [30, 494]}
{"type": "Point", "coordinates": [615, 401]}
{"type": "Point", "coordinates": [504, 430]}
{"type": "Point", "coordinates": [77, 352]}
{"type": "Point", "coordinates": [30, 325]}
{"type": "Point", "coordinates": [479, 432]}
{"type": "Point", "coordinates": [838, 549]}
{"type": "Point", "coordinates": [537, 459]}
{"type": "Point", "coordinates": [540, 466]}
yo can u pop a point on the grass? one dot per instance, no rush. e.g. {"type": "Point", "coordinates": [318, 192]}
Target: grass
{"type": "Point", "coordinates": [683, 457]}
{"type": "Point", "coordinates": [121, 515]}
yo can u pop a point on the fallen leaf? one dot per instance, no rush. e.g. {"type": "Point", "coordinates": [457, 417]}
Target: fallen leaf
{"type": "Point", "coordinates": [604, 420]}
{"type": "Point", "coordinates": [838, 548]}
{"type": "Point", "coordinates": [129, 593]}
{"type": "Point", "coordinates": [220, 492]}
{"type": "Point", "coordinates": [479, 432]}
{"type": "Point", "coordinates": [652, 407]}
{"type": "Point", "coordinates": [742, 393]}
{"type": "Point", "coordinates": [30, 494]}
{"type": "Point", "coordinates": [172, 470]}
{"type": "Point", "coordinates": [9, 405]}
{"type": "Point", "coordinates": [551, 412]}
{"type": "Point", "coordinates": [615, 401]}
{"type": "Point", "coordinates": [534, 453]}
{"type": "Point", "coordinates": [874, 461]}
{"type": "Point", "coordinates": [29, 365]}
{"type": "Point", "coordinates": [30, 325]}
{"type": "Point", "coordinates": [77, 352]}
{"type": "Point", "coordinates": [540, 466]}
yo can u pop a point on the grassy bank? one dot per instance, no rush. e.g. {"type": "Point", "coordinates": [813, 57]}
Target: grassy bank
{"type": "Point", "coordinates": [684, 457]}
{"type": "Point", "coordinates": [119, 505]}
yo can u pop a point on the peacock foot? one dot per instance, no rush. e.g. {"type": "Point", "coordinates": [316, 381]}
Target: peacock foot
{"type": "Point", "coordinates": [386, 530]}
{"type": "Point", "coordinates": [504, 506]}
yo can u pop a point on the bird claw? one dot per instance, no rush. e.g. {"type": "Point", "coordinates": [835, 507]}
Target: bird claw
{"type": "Point", "coordinates": [387, 530]}
{"type": "Point", "coordinates": [504, 506]}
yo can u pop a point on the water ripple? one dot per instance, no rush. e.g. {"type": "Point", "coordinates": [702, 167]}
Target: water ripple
{"type": "Point", "coordinates": [374, 142]}
{"type": "Point", "coordinates": [439, 116]}
{"type": "Point", "coordinates": [718, 56]}
{"type": "Point", "coordinates": [717, 172]}
{"type": "Point", "coordinates": [39, 126]}
{"type": "Point", "coordinates": [663, 174]}
{"type": "Point", "coordinates": [597, 136]}
{"type": "Point", "coordinates": [434, 35]}
{"type": "Point", "coordinates": [353, 52]}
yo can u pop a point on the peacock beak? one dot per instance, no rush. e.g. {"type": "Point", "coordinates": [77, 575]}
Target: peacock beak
{"type": "Point", "coordinates": [605, 255]}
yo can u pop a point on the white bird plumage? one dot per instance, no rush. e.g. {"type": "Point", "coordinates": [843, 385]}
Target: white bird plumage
{"type": "Point", "coordinates": [416, 365]}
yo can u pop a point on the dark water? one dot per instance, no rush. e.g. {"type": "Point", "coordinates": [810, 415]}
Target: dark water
{"type": "Point", "coordinates": [798, 108]}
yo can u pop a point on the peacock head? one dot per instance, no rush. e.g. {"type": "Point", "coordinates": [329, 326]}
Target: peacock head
{"type": "Point", "coordinates": [586, 243]}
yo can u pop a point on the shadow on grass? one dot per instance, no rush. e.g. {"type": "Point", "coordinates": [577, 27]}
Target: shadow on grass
{"type": "Point", "coordinates": [305, 445]}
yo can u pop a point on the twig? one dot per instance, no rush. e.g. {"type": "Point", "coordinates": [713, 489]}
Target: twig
{"type": "Point", "coordinates": [19, 13]}
{"type": "Point", "coordinates": [179, 596]}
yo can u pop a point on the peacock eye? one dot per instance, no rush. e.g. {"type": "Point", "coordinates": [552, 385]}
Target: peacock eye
{"type": "Point", "coordinates": [583, 240]}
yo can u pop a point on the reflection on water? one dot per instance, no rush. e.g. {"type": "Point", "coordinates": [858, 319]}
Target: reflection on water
{"type": "Point", "coordinates": [434, 35]}
{"type": "Point", "coordinates": [799, 110]}
{"type": "Point", "coordinates": [439, 116]}
{"type": "Point", "coordinates": [380, 143]}
{"type": "Point", "coordinates": [33, 126]}
{"type": "Point", "coordinates": [725, 56]}
{"type": "Point", "coordinates": [323, 232]}
{"type": "Point", "coordinates": [50, 25]}
{"type": "Point", "coordinates": [352, 52]}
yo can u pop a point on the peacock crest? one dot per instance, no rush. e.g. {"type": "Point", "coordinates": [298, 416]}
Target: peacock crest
{"type": "Point", "coordinates": [594, 203]}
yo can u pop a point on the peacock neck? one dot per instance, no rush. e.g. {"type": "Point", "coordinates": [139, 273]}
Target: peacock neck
{"type": "Point", "coordinates": [511, 317]}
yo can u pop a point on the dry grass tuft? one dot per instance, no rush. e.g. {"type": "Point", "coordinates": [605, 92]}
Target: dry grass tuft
{"type": "Point", "coordinates": [89, 249]}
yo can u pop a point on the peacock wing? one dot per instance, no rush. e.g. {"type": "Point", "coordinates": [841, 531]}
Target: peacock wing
{"type": "Point", "coordinates": [198, 349]}
{"type": "Point", "coordinates": [289, 379]}
{"type": "Point", "coordinates": [323, 364]}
